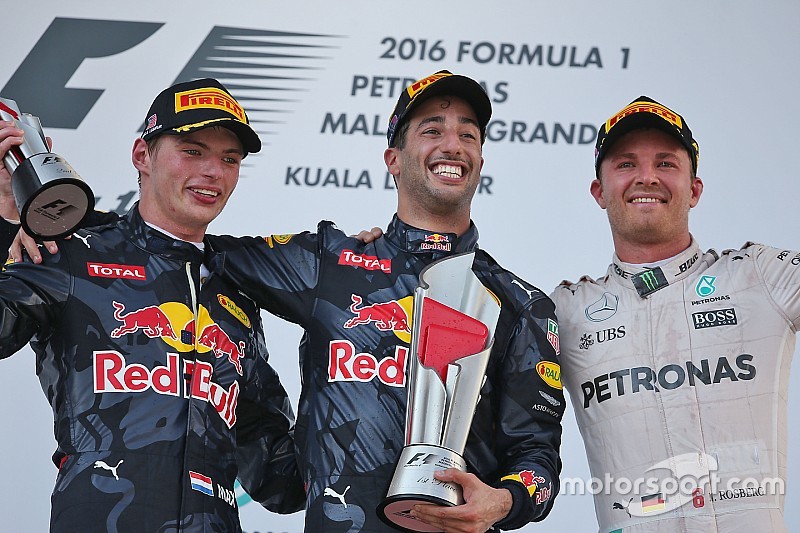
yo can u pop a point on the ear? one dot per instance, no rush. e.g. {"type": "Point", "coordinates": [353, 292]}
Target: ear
{"type": "Point", "coordinates": [390, 156]}
{"type": "Point", "coordinates": [596, 188]}
{"type": "Point", "coordinates": [697, 190]}
{"type": "Point", "coordinates": [140, 156]}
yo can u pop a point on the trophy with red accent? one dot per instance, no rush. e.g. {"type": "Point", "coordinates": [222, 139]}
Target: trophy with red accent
{"type": "Point", "coordinates": [51, 197]}
{"type": "Point", "coordinates": [452, 336]}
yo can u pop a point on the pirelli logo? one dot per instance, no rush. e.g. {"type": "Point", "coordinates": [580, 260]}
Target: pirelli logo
{"type": "Point", "coordinates": [208, 97]}
{"type": "Point", "coordinates": [417, 86]}
{"type": "Point", "coordinates": [645, 107]}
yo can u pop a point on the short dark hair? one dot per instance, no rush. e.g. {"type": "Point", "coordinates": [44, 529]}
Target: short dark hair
{"type": "Point", "coordinates": [152, 149]}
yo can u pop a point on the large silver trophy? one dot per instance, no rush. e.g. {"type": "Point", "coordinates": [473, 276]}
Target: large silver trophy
{"type": "Point", "coordinates": [51, 197]}
{"type": "Point", "coordinates": [453, 332]}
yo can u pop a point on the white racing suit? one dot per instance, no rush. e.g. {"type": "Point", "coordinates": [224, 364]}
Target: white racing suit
{"type": "Point", "coordinates": [678, 376]}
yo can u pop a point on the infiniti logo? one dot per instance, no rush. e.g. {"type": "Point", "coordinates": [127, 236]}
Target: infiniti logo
{"type": "Point", "coordinates": [603, 309]}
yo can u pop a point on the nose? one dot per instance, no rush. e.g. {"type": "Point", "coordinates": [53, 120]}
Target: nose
{"type": "Point", "coordinates": [214, 167]}
{"type": "Point", "coordinates": [648, 176]}
{"type": "Point", "coordinates": [451, 142]}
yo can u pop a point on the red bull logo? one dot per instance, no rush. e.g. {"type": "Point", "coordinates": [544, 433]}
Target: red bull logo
{"type": "Point", "coordinates": [529, 479]}
{"type": "Point", "coordinates": [344, 364]}
{"type": "Point", "coordinates": [112, 374]}
{"type": "Point", "coordinates": [151, 320]}
{"type": "Point", "coordinates": [170, 317]}
{"type": "Point", "coordinates": [387, 316]}
{"type": "Point", "coordinates": [436, 241]}
{"type": "Point", "coordinates": [215, 338]}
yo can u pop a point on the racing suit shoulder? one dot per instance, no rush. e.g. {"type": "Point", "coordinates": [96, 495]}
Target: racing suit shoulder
{"type": "Point", "coordinates": [777, 269]}
{"type": "Point", "coordinates": [280, 272]}
{"type": "Point", "coordinates": [529, 398]}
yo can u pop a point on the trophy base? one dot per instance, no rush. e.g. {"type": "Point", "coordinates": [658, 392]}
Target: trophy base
{"type": "Point", "coordinates": [414, 483]}
{"type": "Point", "coordinates": [52, 202]}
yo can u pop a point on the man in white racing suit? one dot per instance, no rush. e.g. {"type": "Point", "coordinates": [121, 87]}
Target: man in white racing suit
{"type": "Point", "coordinates": [677, 361]}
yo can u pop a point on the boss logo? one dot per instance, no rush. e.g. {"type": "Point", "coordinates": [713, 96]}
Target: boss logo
{"type": "Point", "coordinates": [712, 319]}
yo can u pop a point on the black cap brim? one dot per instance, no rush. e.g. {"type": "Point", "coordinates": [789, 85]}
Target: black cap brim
{"type": "Point", "coordinates": [251, 144]}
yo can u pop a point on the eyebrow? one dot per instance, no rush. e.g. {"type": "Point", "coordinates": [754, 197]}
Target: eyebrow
{"type": "Point", "coordinates": [440, 120]}
{"type": "Point", "coordinates": [632, 155]}
{"type": "Point", "coordinates": [185, 139]}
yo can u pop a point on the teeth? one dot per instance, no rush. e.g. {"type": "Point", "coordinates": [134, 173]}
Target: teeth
{"type": "Point", "coordinates": [449, 171]}
{"type": "Point", "coordinates": [206, 192]}
{"type": "Point", "coordinates": [646, 201]}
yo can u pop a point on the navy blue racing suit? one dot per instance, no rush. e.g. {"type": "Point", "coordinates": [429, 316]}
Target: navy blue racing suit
{"type": "Point", "coordinates": [153, 377]}
{"type": "Point", "coordinates": [354, 302]}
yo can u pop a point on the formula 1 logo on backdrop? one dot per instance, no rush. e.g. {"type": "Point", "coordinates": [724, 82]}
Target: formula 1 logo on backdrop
{"type": "Point", "coordinates": [268, 71]}
{"type": "Point", "coordinates": [258, 66]}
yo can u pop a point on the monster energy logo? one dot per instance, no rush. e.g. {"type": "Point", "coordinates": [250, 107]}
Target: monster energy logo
{"type": "Point", "coordinates": [649, 281]}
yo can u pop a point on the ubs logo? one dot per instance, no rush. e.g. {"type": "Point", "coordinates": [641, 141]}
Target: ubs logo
{"type": "Point", "coordinates": [604, 335]}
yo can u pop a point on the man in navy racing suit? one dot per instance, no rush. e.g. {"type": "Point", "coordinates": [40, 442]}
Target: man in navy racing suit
{"type": "Point", "coordinates": [677, 361]}
{"type": "Point", "coordinates": [154, 369]}
{"type": "Point", "coordinates": [354, 302]}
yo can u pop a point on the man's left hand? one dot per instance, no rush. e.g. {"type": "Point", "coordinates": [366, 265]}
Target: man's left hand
{"type": "Point", "coordinates": [484, 505]}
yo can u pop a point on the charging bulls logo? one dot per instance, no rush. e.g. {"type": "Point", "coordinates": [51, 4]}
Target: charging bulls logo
{"type": "Point", "coordinates": [394, 315]}
{"type": "Point", "coordinates": [214, 337]}
{"type": "Point", "coordinates": [151, 320]}
{"type": "Point", "coordinates": [533, 483]}
{"type": "Point", "coordinates": [177, 326]}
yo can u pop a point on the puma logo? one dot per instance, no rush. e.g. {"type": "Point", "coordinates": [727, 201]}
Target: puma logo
{"type": "Point", "coordinates": [518, 284]}
{"type": "Point", "coordinates": [112, 469]}
{"type": "Point", "coordinates": [85, 240]}
{"type": "Point", "coordinates": [330, 492]}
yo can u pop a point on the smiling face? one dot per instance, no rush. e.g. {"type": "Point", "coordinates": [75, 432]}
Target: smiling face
{"type": "Point", "coordinates": [438, 167]}
{"type": "Point", "coordinates": [646, 187]}
{"type": "Point", "coordinates": [187, 179]}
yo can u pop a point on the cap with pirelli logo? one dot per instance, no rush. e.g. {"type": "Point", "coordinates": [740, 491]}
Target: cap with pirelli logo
{"type": "Point", "coordinates": [442, 83]}
{"type": "Point", "coordinates": [642, 113]}
{"type": "Point", "coordinates": [198, 104]}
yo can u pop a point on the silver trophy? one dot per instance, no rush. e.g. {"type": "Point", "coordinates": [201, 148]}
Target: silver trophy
{"type": "Point", "coordinates": [51, 197]}
{"type": "Point", "coordinates": [452, 336]}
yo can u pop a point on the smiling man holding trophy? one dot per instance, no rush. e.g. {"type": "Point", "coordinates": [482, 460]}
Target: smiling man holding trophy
{"type": "Point", "coordinates": [486, 342]}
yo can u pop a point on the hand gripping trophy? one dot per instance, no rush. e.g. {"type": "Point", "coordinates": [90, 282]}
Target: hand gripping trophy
{"type": "Point", "coordinates": [453, 331]}
{"type": "Point", "coordinates": [51, 197]}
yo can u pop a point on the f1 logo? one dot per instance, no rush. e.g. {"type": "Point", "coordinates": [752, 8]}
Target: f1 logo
{"type": "Point", "coordinates": [39, 84]}
{"type": "Point", "coordinates": [420, 459]}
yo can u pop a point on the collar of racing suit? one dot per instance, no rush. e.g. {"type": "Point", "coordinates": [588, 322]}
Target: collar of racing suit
{"type": "Point", "coordinates": [153, 241]}
{"type": "Point", "coordinates": [419, 241]}
{"type": "Point", "coordinates": [646, 280]}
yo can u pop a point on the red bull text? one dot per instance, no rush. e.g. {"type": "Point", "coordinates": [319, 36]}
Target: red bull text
{"type": "Point", "coordinates": [344, 364]}
{"type": "Point", "coordinates": [113, 374]}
